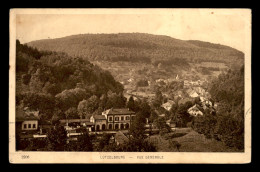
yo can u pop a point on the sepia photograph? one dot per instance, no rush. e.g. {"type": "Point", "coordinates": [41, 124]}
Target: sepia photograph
{"type": "Point", "coordinates": [130, 86]}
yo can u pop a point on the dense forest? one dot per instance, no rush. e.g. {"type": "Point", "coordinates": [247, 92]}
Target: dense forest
{"type": "Point", "coordinates": [140, 47]}
{"type": "Point", "coordinates": [58, 85]}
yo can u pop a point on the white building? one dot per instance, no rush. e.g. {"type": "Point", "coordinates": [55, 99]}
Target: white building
{"type": "Point", "coordinates": [194, 111]}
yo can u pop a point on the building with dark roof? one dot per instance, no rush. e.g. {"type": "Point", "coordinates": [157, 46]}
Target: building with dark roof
{"type": "Point", "coordinates": [119, 119]}
{"type": "Point", "coordinates": [26, 120]}
{"type": "Point", "coordinates": [99, 121]}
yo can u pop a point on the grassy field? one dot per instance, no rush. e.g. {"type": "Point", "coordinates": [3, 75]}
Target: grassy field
{"type": "Point", "coordinates": [190, 141]}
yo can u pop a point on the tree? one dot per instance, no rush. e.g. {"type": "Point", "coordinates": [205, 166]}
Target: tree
{"type": "Point", "coordinates": [160, 123]}
{"type": "Point", "coordinates": [174, 110]}
{"type": "Point", "coordinates": [138, 126]}
{"type": "Point", "coordinates": [131, 103]}
{"type": "Point", "coordinates": [26, 79]}
{"type": "Point", "coordinates": [51, 88]}
{"type": "Point", "coordinates": [103, 101]}
{"type": "Point", "coordinates": [57, 137]}
{"type": "Point", "coordinates": [104, 141]}
{"type": "Point", "coordinates": [72, 113]}
{"type": "Point", "coordinates": [145, 109]}
{"type": "Point", "coordinates": [92, 104]}
{"type": "Point", "coordinates": [70, 98]}
{"type": "Point", "coordinates": [82, 108]}
{"type": "Point", "coordinates": [157, 102]}
{"type": "Point", "coordinates": [116, 101]}
{"type": "Point", "coordinates": [159, 96]}
{"type": "Point", "coordinates": [153, 117]}
{"type": "Point", "coordinates": [183, 117]}
{"type": "Point", "coordinates": [84, 142]}
{"type": "Point", "coordinates": [38, 101]}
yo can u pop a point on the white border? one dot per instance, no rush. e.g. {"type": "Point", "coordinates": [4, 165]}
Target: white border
{"type": "Point", "coordinates": [130, 157]}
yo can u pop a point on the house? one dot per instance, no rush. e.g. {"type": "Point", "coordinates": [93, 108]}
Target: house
{"type": "Point", "coordinates": [195, 111]}
{"type": "Point", "coordinates": [118, 119]}
{"type": "Point", "coordinates": [120, 138]}
{"type": "Point", "coordinates": [168, 105]}
{"type": "Point", "coordinates": [183, 101]}
{"type": "Point", "coordinates": [199, 90]}
{"type": "Point", "coordinates": [99, 121]}
{"type": "Point", "coordinates": [202, 99]}
{"type": "Point", "coordinates": [192, 93]}
{"type": "Point", "coordinates": [26, 120]}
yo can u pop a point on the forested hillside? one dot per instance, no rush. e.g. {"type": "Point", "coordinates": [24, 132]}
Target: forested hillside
{"type": "Point", "coordinates": [56, 84]}
{"type": "Point", "coordinates": [227, 125]}
{"type": "Point", "coordinates": [139, 47]}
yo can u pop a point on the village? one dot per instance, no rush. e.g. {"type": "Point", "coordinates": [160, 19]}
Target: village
{"type": "Point", "coordinates": [118, 121]}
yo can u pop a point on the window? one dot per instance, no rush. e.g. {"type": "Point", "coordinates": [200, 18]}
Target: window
{"type": "Point", "coordinates": [116, 118]}
{"type": "Point", "coordinates": [29, 125]}
{"type": "Point", "coordinates": [110, 118]}
{"type": "Point", "coordinates": [116, 126]}
{"type": "Point", "coordinates": [133, 117]}
{"type": "Point", "coordinates": [127, 118]}
{"type": "Point", "coordinates": [122, 118]}
{"type": "Point", "coordinates": [122, 126]}
{"type": "Point", "coordinates": [34, 126]}
{"type": "Point", "coordinates": [24, 125]}
{"type": "Point", "coordinates": [110, 127]}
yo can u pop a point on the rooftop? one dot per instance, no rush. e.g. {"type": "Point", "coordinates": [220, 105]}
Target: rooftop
{"type": "Point", "coordinates": [99, 117]}
{"type": "Point", "coordinates": [119, 111]}
{"type": "Point", "coordinates": [183, 101]}
{"type": "Point", "coordinates": [73, 120]}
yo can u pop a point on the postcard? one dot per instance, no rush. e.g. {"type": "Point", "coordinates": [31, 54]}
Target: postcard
{"type": "Point", "coordinates": [130, 86]}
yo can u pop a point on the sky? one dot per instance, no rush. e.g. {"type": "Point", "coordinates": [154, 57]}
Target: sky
{"type": "Point", "coordinates": [227, 27]}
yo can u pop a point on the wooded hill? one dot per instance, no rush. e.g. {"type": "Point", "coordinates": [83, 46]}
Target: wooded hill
{"type": "Point", "coordinates": [50, 82]}
{"type": "Point", "coordinates": [140, 47]}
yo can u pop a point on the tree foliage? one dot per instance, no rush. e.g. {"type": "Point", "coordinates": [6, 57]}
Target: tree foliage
{"type": "Point", "coordinates": [57, 138]}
